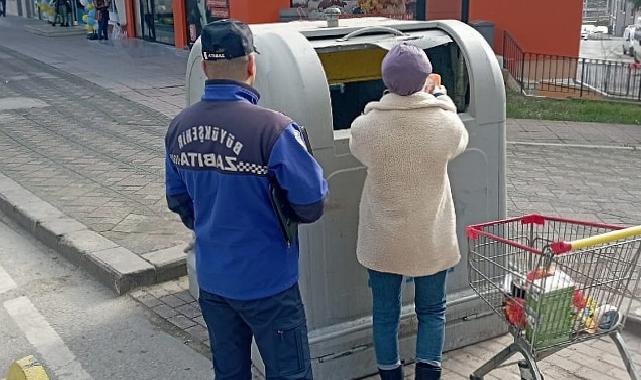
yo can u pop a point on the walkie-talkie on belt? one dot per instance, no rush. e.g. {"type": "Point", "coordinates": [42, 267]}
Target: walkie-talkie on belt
{"type": "Point", "coordinates": [284, 212]}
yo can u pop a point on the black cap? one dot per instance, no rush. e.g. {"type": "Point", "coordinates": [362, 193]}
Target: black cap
{"type": "Point", "coordinates": [226, 39]}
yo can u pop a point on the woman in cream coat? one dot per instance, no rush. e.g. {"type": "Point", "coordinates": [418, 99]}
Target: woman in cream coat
{"type": "Point", "coordinates": [407, 221]}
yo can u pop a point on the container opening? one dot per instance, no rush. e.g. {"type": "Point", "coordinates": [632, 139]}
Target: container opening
{"type": "Point", "coordinates": [354, 78]}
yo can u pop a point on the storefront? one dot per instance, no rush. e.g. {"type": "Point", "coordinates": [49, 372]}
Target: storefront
{"type": "Point", "coordinates": [201, 12]}
{"type": "Point", "coordinates": [398, 9]}
{"type": "Point", "coordinates": [179, 22]}
{"type": "Point", "coordinates": [155, 19]}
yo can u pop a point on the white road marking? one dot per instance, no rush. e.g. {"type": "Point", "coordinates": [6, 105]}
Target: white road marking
{"type": "Point", "coordinates": [6, 282]}
{"type": "Point", "coordinates": [57, 356]}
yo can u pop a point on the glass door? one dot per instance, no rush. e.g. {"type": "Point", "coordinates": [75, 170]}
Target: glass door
{"type": "Point", "coordinates": [157, 21]}
{"type": "Point", "coordinates": [200, 12]}
{"type": "Point", "coordinates": [147, 19]}
{"type": "Point", "coordinates": [194, 13]}
{"type": "Point", "coordinates": [164, 21]}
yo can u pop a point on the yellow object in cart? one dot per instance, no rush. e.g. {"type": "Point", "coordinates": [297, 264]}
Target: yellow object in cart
{"type": "Point", "coordinates": [606, 238]}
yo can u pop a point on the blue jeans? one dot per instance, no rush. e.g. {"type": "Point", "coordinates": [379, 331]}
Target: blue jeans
{"type": "Point", "coordinates": [278, 325]}
{"type": "Point", "coordinates": [430, 309]}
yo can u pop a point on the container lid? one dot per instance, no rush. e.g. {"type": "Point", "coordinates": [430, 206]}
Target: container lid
{"type": "Point", "coordinates": [424, 39]}
{"type": "Point", "coordinates": [481, 23]}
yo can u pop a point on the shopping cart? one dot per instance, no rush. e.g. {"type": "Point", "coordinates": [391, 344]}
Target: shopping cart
{"type": "Point", "coordinates": [555, 282]}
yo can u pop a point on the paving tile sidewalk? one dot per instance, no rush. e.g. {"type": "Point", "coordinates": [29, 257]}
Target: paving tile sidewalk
{"type": "Point", "coordinates": [93, 146]}
{"type": "Point", "coordinates": [594, 360]}
{"type": "Point", "coordinates": [592, 184]}
{"type": "Point", "coordinates": [147, 73]}
{"type": "Point", "coordinates": [86, 136]}
{"type": "Point", "coordinates": [92, 154]}
{"type": "Point", "coordinates": [573, 133]}
{"type": "Point", "coordinates": [154, 75]}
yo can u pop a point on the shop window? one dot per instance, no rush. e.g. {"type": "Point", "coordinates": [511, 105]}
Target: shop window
{"type": "Point", "coordinates": [398, 9]}
{"type": "Point", "coordinates": [201, 12]}
{"type": "Point", "coordinates": [157, 21]}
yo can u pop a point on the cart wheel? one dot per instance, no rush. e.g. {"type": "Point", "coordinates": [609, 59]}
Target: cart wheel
{"type": "Point", "coordinates": [524, 369]}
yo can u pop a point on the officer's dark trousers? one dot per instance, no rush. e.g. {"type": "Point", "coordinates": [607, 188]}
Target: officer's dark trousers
{"type": "Point", "coordinates": [278, 325]}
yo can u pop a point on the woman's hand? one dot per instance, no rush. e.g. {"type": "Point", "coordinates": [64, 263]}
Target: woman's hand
{"type": "Point", "coordinates": [430, 85]}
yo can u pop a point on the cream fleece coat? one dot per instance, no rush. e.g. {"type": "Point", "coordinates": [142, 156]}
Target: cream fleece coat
{"type": "Point", "coordinates": [407, 220]}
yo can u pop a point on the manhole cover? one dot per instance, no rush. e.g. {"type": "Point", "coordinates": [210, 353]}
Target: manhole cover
{"type": "Point", "coordinates": [14, 103]}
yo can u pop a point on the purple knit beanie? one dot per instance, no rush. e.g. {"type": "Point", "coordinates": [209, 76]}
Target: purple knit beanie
{"type": "Point", "coordinates": [405, 69]}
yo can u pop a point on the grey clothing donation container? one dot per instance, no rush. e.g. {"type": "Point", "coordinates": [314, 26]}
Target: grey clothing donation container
{"type": "Point", "coordinates": [323, 78]}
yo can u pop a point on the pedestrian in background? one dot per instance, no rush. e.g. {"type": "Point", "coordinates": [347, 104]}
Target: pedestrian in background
{"type": "Point", "coordinates": [80, 10]}
{"type": "Point", "coordinates": [194, 20]}
{"type": "Point", "coordinates": [102, 9]}
{"type": "Point", "coordinates": [224, 155]}
{"type": "Point", "coordinates": [407, 223]}
{"type": "Point", "coordinates": [3, 3]}
{"type": "Point", "coordinates": [62, 13]}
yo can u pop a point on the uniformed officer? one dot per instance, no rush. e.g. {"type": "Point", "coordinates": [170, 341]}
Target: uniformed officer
{"type": "Point", "coordinates": [224, 154]}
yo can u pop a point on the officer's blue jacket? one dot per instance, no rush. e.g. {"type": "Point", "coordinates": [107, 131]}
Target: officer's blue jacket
{"type": "Point", "coordinates": [222, 153]}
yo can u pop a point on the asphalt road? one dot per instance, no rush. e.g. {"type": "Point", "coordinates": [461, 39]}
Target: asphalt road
{"type": "Point", "coordinates": [604, 49]}
{"type": "Point", "coordinates": [75, 326]}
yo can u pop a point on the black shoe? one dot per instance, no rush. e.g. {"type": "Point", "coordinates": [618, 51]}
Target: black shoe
{"type": "Point", "coordinates": [391, 374]}
{"type": "Point", "coordinates": [67, 25]}
{"type": "Point", "coordinates": [427, 372]}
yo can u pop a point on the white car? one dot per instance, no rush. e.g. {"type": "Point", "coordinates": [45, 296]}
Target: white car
{"type": "Point", "coordinates": [636, 43]}
{"type": "Point", "coordinates": [628, 41]}
{"type": "Point", "coordinates": [599, 33]}
{"type": "Point", "coordinates": [601, 29]}
{"type": "Point", "coordinates": [586, 30]}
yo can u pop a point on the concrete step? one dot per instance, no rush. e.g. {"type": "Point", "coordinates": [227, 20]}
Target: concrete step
{"type": "Point", "coordinates": [45, 29]}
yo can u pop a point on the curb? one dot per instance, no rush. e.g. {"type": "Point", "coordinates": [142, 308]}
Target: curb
{"type": "Point", "coordinates": [115, 266]}
{"type": "Point", "coordinates": [47, 30]}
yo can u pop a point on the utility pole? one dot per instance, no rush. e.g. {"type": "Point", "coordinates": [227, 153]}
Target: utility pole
{"type": "Point", "coordinates": [421, 11]}
{"type": "Point", "coordinates": [465, 11]}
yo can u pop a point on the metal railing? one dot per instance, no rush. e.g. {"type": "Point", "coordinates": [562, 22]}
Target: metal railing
{"type": "Point", "coordinates": [556, 75]}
